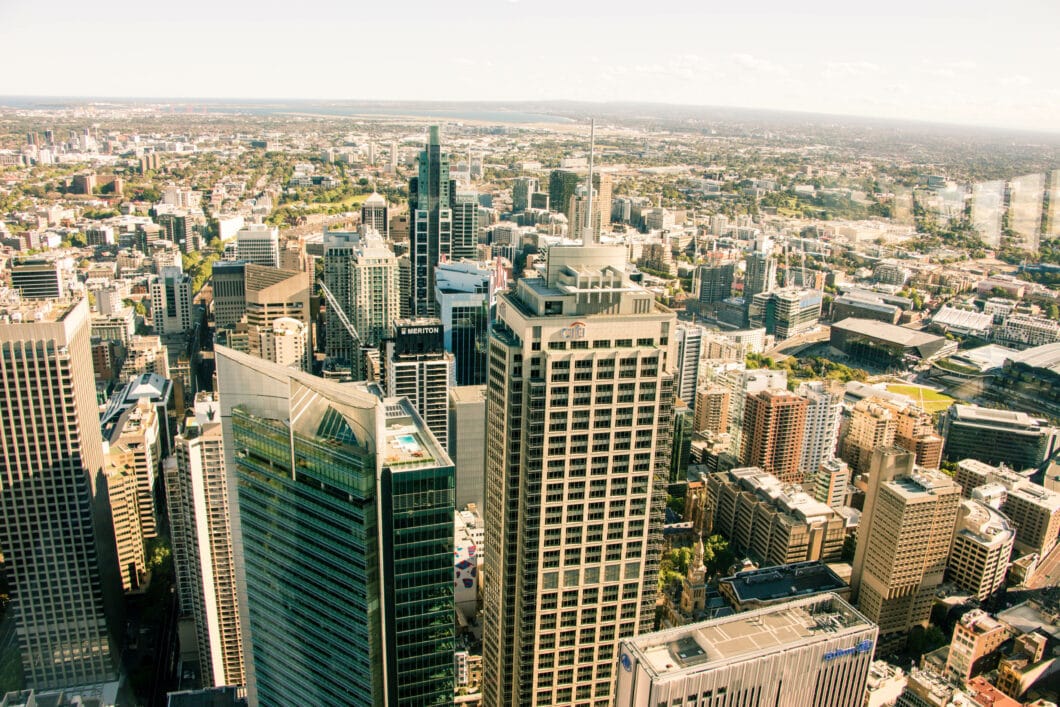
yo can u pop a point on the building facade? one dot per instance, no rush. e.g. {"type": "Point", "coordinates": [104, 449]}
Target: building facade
{"type": "Point", "coordinates": [812, 652]}
{"type": "Point", "coordinates": [56, 536]}
{"type": "Point", "coordinates": [431, 223]}
{"type": "Point", "coordinates": [200, 505]}
{"type": "Point", "coordinates": [344, 543]}
{"type": "Point", "coordinates": [579, 425]}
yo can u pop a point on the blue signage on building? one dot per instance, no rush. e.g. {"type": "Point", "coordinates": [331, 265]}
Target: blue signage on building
{"type": "Point", "coordinates": [863, 647]}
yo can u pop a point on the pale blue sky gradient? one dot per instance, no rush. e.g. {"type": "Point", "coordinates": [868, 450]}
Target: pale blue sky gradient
{"type": "Point", "coordinates": [972, 62]}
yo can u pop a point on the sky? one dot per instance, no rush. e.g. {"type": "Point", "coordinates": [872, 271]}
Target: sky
{"type": "Point", "coordinates": [970, 62]}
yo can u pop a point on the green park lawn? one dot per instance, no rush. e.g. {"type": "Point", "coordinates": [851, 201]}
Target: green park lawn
{"type": "Point", "coordinates": [928, 399]}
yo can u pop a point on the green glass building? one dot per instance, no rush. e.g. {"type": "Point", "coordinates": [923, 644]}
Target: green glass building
{"type": "Point", "coordinates": [344, 540]}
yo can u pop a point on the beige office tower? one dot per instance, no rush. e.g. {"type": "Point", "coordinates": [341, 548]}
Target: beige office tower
{"type": "Point", "coordinates": [56, 534]}
{"type": "Point", "coordinates": [199, 517]}
{"type": "Point", "coordinates": [872, 425]}
{"type": "Point", "coordinates": [578, 431]}
{"type": "Point", "coordinates": [903, 543]}
{"type": "Point", "coordinates": [982, 544]}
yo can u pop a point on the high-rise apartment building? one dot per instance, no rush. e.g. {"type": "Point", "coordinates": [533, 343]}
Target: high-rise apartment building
{"type": "Point", "coordinates": [715, 283]}
{"type": "Point", "coordinates": [375, 213]}
{"type": "Point", "coordinates": [903, 542]}
{"type": "Point", "coordinates": [362, 274]}
{"type": "Point", "coordinates": [760, 274]}
{"type": "Point", "coordinates": [578, 432]}
{"type": "Point", "coordinates": [824, 411]}
{"type": "Point", "coordinates": [343, 540]}
{"type": "Point", "coordinates": [830, 482]}
{"type": "Point", "coordinates": [813, 652]}
{"type": "Point", "coordinates": [125, 515]}
{"type": "Point", "coordinates": [171, 307]}
{"type": "Point", "coordinates": [689, 339]}
{"type": "Point", "coordinates": [134, 436]}
{"type": "Point", "coordinates": [200, 505]}
{"type": "Point", "coordinates": [431, 223]}
{"type": "Point", "coordinates": [774, 424]}
{"type": "Point", "coordinates": [415, 365]}
{"type": "Point", "coordinates": [742, 385]}
{"type": "Point", "coordinates": [982, 544]}
{"type": "Point", "coordinates": [464, 291]}
{"type": "Point", "coordinates": [872, 425]}
{"type": "Point", "coordinates": [285, 342]}
{"type": "Point", "coordinates": [712, 410]}
{"type": "Point", "coordinates": [56, 534]}
{"type": "Point", "coordinates": [259, 244]}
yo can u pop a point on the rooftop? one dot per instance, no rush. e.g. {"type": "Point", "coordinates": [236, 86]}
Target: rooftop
{"type": "Point", "coordinates": [745, 635]}
{"type": "Point", "coordinates": [784, 581]}
{"type": "Point", "coordinates": [888, 332]}
{"type": "Point", "coordinates": [1047, 357]}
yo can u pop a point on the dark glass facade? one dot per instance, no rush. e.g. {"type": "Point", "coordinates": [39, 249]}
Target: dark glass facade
{"type": "Point", "coordinates": [349, 581]}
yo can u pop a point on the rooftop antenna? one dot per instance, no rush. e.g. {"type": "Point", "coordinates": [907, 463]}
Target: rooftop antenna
{"type": "Point", "coordinates": [588, 237]}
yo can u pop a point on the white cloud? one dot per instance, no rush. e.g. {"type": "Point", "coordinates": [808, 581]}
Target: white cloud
{"type": "Point", "coordinates": [758, 65]}
{"type": "Point", "coordinates": [849, 69]}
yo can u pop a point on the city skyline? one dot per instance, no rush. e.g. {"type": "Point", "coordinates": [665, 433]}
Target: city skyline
{"type": "Point", "coordinates": [946, 63]}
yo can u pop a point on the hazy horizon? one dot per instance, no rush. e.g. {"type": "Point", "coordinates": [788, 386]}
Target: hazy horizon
{"type": "Point", "coordinates": [946, 62]}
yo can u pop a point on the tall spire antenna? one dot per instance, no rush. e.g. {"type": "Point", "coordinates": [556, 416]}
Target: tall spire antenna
{"type": "Point", "coordinates": [588, 235]}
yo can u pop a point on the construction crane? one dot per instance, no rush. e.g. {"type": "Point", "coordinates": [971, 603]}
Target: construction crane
{"type": "Point", "coordinates": [334, 304]}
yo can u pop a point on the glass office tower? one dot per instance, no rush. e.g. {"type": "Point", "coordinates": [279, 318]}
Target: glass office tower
{"type": "Point", "coordinates": [345, 540]}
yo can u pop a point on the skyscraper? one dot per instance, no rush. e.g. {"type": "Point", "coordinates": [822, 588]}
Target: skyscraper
{"type": "Point", "coordinates": [56, 534]}
{"type": "Point", "coordinates": [200, 507]}
{"type": "Point", "coordinates": [430, 207]}
{"type": "Point", "coordinates": [465, 224]}
{"type": "Point", "coordinates": [524, 187]}
{"type": "Point", "coordinates": [689, 338]}
{"type": "Point", "coordinates": [464, 292]}
{"type": "Point", "coordinates": [415, 365]}
{"type": "Point", "coordinates": [259, 244]}
{"type": "Point", "coordinates": [715, 283]}
{"type": "Point", "coordinates": [578, 433]}
{"type": "Point", "coordinates": [823, 412]}
{"type": "Point", "coordinates": [376, 214]}
{"type": "Point", "coordinates": [562, 183]}
{"type": "Point", "coordinates": [761, 274]}
{"type": "Point", "coordinates": [171, 302]}
{"type": "Point", "coordinates": [362, 274]}
{"type": "Point", "coordinates": [343, 540]}
{"type": "Point", "coordinates": [903, 541]}
{"type": "Point", "coordinates": [774, 423]}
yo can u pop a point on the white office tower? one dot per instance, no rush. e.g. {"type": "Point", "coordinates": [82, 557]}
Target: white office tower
{"type": "Point", "coordinates": [259, 243]}
{"type": "Point", "coordinates": [813, 652]}
{"type": "Point", "coordinates": [579, 418]}
{"type": "Point", "coordinates": [286, 342]}
{"type": "Point", "coordinates": [361, 273]}
{"type": "Point", "coordinates": [199, 518]}
{"type": "Point", "coordinates": [56, 533]}
{"type": "Point", "coordinates": [982, 545]}
{"type": "Point", "coordinates": [171, 302]}
{"type": "Point", "coordinates": [376, 214]}
{"type": "Point", "coordinates": [823, 413]}
{"type": "Point", "coordinates": [689, 339]}
{"type": "Point", "coordinates": [415, 365]}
